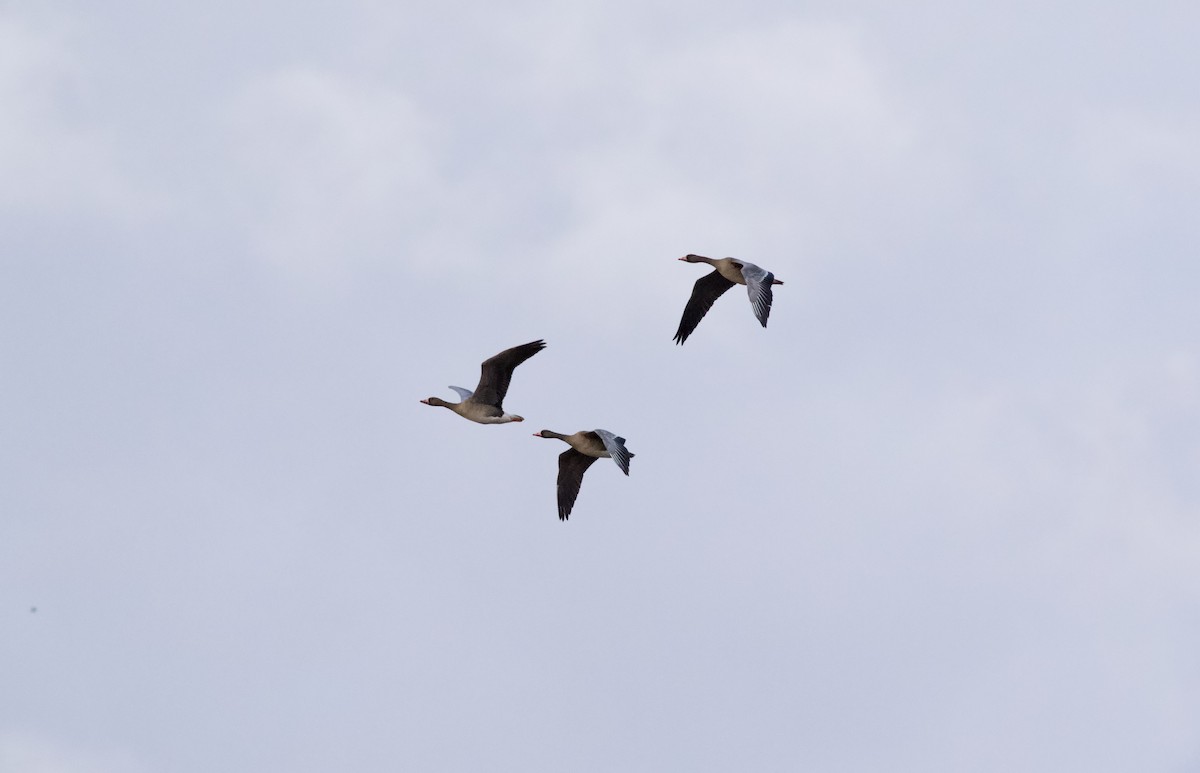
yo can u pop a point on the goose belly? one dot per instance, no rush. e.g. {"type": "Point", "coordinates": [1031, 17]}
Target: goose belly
{"type": "Point", "coordinates": [590, 447]}
{"type": "Point", "coordinates": [731, 272]}
{"type": "Point", "coordinates": [481, 414]}
{"type": "Point", "coordinates": [505, 419]}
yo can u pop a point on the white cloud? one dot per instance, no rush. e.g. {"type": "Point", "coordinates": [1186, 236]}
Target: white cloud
{"type": "Point", "coordinates": [52, 159]}
{"type": "Point", "coordinates": [578, 167]}
{"type": "Point", "coordinates": [332, 171]}
{"type": "Point", "coordinates": [1141, 170]}
{"type": "Point", "coordinates": [950, 493]}
{"type": "Point", "coordinates": [768, 142]}
{"type": "Point", "coordinates": [1103, 470]}
{"type": "Point", "coordinates": [26, 753]}
{"type": "Point", "coordinates": [1120, 144]}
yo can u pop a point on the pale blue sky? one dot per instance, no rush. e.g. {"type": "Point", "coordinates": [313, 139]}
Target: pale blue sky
{"type": "Point", "coordinates": [942, 515]}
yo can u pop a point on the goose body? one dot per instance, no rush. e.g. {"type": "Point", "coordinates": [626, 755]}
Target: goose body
{"type": "Point", "coordinates": [585, 448]}
{"type": "Point", "coordinates": [727, 272]}
{"type": "Point", "coordinates": [485, 404]}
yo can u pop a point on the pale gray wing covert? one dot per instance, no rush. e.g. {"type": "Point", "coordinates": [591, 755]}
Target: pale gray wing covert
{"type": "Point", "coordinates": [758, 286]}
{"type": "Point", "coordinates": [616, 448]}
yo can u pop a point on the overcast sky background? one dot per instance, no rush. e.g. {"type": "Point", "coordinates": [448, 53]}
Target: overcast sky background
{"type": "Point", "coordinates": [942, 515]}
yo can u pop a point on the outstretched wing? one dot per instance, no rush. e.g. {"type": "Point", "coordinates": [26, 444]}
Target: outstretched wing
{"type": "Point", "coordinates": [463, 394]}
{"type": "Point", "coordinates": [758, 285]}
{"type": "Point", "coordinates": [571, 467]}
{"type": "Point", "coordinates": [616, 448]}
{"type": "Point", "coordinates": [705, 293]}
{"type": "Point", "coordinates": [497, 372]}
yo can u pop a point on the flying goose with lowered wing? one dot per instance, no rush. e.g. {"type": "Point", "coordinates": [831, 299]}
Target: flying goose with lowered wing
{"type": "Point", "coordinates": [709, 287]}
{"type": "Point", "coordinates": [585, 448]}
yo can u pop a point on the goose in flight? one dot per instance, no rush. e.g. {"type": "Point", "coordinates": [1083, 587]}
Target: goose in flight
{"type": "Point", "coordinates": [484, 404]}
{"type": "Point", "coordinates": [586, 447]}
{"type": "Point", "coordinates": [709, 287]}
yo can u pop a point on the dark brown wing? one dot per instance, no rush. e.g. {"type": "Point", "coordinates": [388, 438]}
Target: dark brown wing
{"type": "Point", "coordinates": [571, 467]}
{"type": "Point", "coordinates": [707, 290]}
{"type": "Point", "coordinates": [498, 370]}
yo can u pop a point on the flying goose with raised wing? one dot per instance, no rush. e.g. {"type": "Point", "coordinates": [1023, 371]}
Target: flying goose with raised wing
{"type": "Point", "coordinates": [484, 405]}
